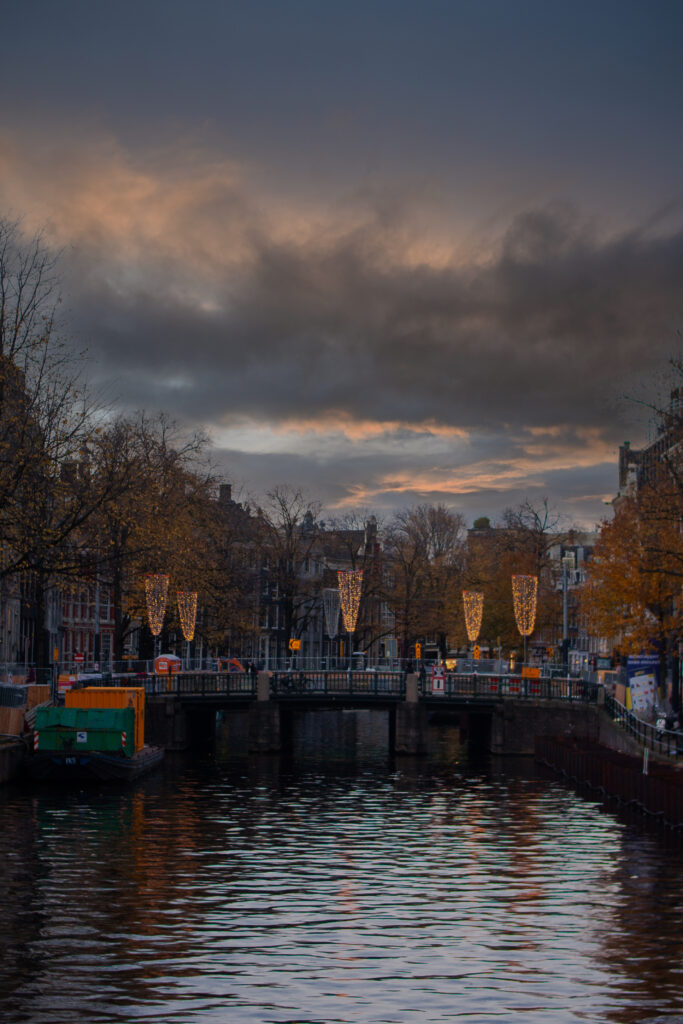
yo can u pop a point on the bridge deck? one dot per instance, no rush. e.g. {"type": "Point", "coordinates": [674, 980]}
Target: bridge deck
{"type": "Point", "coordinates": [364, 687]}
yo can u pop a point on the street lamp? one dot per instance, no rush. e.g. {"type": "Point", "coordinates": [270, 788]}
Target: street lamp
{"type": "Point", "coordinates": [187, 613]}
{"type": "Point", "coordinates": [156, 592]}
{"type": "Point", "coordinates": [473, 602]}
{"type": "Point", "coordinates": [524, 595]}
{"type": "Point", "coordinates": [350, 588]}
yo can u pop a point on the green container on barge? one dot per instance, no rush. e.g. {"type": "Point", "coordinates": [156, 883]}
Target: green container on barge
{"type": "Point", "coordinates": [86, 730]}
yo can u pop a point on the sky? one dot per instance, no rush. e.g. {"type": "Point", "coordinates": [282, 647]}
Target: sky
{"type": "Point", "coordinates": [389, 253]}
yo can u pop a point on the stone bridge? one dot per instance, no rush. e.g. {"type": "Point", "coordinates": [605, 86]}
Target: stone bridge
{"type": "Point", "coordinates": [503, 713]}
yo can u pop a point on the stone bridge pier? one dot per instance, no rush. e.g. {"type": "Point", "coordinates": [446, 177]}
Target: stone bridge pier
{"type": "Point", "coordinates": [265, 734]}
{"type": "Point", "coordinates": [516, 724]}
{"type": "Point", "coordinates": [410, 725]}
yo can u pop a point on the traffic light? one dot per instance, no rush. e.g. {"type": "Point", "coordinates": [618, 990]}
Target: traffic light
{"type": "Point", "coordinates": [477, 653]}
{"type": "Point", "coordinates": [418, 651]}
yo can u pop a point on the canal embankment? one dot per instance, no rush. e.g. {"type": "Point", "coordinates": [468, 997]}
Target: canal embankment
{"type": "Point", "coordinates": [642, 781]}
{"type": "Point", "coordinates": [12, 755]}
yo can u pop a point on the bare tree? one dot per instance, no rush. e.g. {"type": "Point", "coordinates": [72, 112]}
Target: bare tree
{"type": "Point", "coordinates": [426, 546]}
{"type": "Point", "coordinates": [290, 545]}
{"type": "Point", "coordinates": [46, 419]}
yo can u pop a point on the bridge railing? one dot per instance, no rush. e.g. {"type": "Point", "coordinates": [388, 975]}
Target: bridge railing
{"type": "Point", "coordinates": [331, 683]}
{"type": "Point", "coordinates": [201, 684]}
{"type": "Point", "coordinates": [660, 741]}
{"type": "Point", "coordinates": [493, 686]}
{"type": "Point", "coordinates": [360, 684]}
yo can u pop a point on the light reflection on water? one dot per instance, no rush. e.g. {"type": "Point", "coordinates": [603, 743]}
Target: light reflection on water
{"type": "Point", "coordinates": [226, 889]}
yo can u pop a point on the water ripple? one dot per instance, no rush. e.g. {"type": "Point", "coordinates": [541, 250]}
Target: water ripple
{"type": "Point", "coordinates": [231, 891]}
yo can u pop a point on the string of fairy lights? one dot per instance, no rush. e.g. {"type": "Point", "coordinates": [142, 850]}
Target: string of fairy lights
{"type": "Point", "coordinates": [346, 597]}
{"type": "Point", "coordinates": [524, 597]}
{"type": "Point", "coordinates": [524, 602]}
{"type": "Point", "coordinates": [156, 592]}
{"type": "Point", "coordinates": [473, 603]}
{"type": "Point", "coordinates": [156, 596]}
{"type": "Point", "coordinates": [187, 612]}
{"type": "Point", "coordinates": [350, 590]}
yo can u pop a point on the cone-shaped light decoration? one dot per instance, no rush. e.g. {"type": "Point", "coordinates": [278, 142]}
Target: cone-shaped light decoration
{"type": "Point", "coordinates": [331, 603]}
{"type": "Point", "coordinates": [187, 612]}
{"type": "Point", "coordinates": [156, 591]}
{"type": "Point", "coordinates": [473, 601]}
{"type": "Point", "coordinates": [350, 587]}
{"type": "Point", "coordinates": [524, 591]}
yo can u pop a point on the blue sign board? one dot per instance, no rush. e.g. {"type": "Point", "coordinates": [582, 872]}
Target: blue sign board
{"type": "Point", "coordinates": [643, 665]}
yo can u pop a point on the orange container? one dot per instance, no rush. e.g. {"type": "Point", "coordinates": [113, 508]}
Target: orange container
{"type": "Point", "coordinates": [112, 697]}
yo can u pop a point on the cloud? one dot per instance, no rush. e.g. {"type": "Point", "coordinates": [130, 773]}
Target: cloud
{"type": "Point", "coordinates": [234, 301]}
{"type": "Point", "coordinates": [199, 291]}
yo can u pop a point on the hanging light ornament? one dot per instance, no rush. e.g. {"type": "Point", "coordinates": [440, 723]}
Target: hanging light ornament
{"type": "Point", "coordinates": [331, 604]}
{"type": "Point", "coordinates": [156, 591]}
{"type": "Point", "coordinates": [187, 612]}
{"type": "Point", "coordinates": [524, 591]}
{"type": "Point", "coordinates": [473, 601]}
{"type": "Point", "coordinates": [350, 587]}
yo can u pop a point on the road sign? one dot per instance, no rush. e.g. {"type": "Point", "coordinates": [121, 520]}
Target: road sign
{"type": "Point", "coordinates": [438, 679]}
{"type": "Point", "coordinates": [79, 658]}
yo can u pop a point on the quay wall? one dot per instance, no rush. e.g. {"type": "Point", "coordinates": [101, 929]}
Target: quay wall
{"type": "Point", "coordinates": [653, 787]}
{"type": "Point", "coordinates": [515, 725]}
{"type": "Point", "coordinates": [12, 756]}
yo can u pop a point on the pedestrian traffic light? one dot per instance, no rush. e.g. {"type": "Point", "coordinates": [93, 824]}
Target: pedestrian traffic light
{"type": "Point", "coordinates": [418, 651]}
{"type": "Point", "coordinates": [477, 653]}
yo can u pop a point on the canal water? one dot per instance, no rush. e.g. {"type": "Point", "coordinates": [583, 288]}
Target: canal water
{"type": "Point", "coordinates": [336, 887]}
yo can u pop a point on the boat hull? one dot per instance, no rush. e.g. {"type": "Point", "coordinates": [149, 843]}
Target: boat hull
{"type": "Point", "coordinates": [92, 766]}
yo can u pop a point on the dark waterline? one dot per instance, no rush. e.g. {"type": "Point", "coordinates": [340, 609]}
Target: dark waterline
{"type": "Point", "coordinates": [346, 889]}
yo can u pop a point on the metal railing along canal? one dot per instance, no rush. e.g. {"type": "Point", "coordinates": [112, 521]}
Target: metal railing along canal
{"type": "Point", "coordinates": [361, 685]}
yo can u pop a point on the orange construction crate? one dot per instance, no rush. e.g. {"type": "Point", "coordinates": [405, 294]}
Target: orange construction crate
{"type": "Point", "coordinates": [112, 697]}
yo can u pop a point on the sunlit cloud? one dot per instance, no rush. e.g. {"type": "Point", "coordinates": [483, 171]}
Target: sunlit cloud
{"type": "Point", "coordinates": [499, 476]}
{"type": "Point", "coordinates": [339, 424]}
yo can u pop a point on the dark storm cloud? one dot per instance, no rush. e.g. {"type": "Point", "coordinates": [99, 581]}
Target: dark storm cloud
{"type": "Point", "coordinates": [551, 329]}
{"type": "Point", "coordinates": [329, 232]}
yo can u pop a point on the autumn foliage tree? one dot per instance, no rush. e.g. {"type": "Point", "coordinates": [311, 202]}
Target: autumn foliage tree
{"type": "Point", "coordinates": [633, 590]}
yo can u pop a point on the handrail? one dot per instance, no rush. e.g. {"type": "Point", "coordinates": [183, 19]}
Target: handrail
{"type": "Point", "coordinates": [520, 687]}
{"type": "Point", "coordinates": [659, 741]}
{"type": "Point", "coordinates": [366, 685]}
